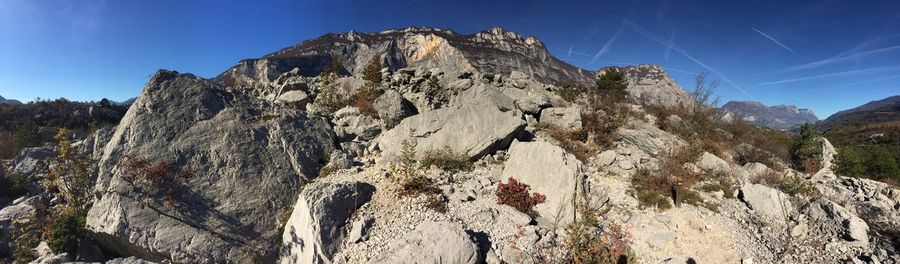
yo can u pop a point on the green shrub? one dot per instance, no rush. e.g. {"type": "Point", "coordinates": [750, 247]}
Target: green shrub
{"type": "Point", "coordinates": [877, 162]}
{"type": "Point", "coordinates": [569, 93]}
{"type": "Point", "coordinates": [65, 229]}
{"type": "Point", "coordinates": [516, 194]}
{"type": "Point", "coordinates": [796, 185]}
{"type": "Point", "coordinates": [74, 171]}
{"type": "Point", "coordinates": [805, 150]}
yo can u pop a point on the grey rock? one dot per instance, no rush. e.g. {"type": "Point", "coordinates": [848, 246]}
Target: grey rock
{"type": "Point", "coordinates": [649, 138]}
{"type": "Point", "coordinates": [485, 94]}
{"type": "Point", "coordinates": [828, 153]}
{"type": "Point", "coordinates": [606, 158]}
{"type": "Point", "coordinates": [128, 260]}
{"type": "Point", "coordinates": [711, 162]}
{"type": "Point", "coordinates": [563, 117]}
{"type": "Point", "coordinates": [349, 123]}
{"type": "Point", "coordinates": [473, 130]}
{"type": "Point", "coordinates": [392, 108]}
{"type": "Point", "coordinates": [52, 259]}
{"type": "Point", "coordinates": [360, 230]}
{"type": "Point", "coordinates": [530, 101]}
{"type": "Point", "coordinates": [432, 242]}
{"type": "Point", "coordinates": [649, 84]}
{"type": "Point", "coordinates": [315, 229]}
{"type": "Point", "coordinates": [770, 204]}
{"type": "Point", "coordinates": [296, 97]}
{"type": "Point", "coordinates": [510, 254]}
{"type": "Point", "coordinates": [245, 173]}
{"type": "Point", "coordinates": [550, 171]}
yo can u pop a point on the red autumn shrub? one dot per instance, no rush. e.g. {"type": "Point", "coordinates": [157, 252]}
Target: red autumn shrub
{"type": "Point", "coordinates": [515, 194]}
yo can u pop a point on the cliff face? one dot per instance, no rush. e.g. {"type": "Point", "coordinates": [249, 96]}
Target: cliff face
{"type": "Point", "coordinates": [494, 51]}
{"type": "Point", "coordinates": [782, 117]}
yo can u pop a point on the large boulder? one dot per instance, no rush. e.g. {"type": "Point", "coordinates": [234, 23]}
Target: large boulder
{"type": "Point", "coordinates": [315, 229]}
{"type": "Point", "coordinates": [392, 108]}
{"type": "Point", "coordinates": [563, 117]}
{"type": "Point", "coordinates": [877, 203]}
{"type": "Point", "coordinates": [473, 130]}
{"type": "Point", "coordinates": [432, 243]}
{"type": "Point", "coordinates": [350, 123]}
{"type": "Point", "coordinates": [530, 101]}
{"type": "Point", "coordinates": [550, 171]}
{"type": "Point", "coordinates": [649, 139]}
{"type": "Point", "coordinates": [484, 94]}
{"type": "Point", "coordinates": [828, 153]}
{"type": "Point", "coordinates": [835, 220]}
{"type": "Point", "coordinates": [769, 204]}
{"type": "Point", "coordinates": [246, 171]}
{"type": "Point", "coordinates": [711, 162]}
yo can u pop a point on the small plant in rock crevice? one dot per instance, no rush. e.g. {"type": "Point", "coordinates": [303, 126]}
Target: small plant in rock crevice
{"type": "Point", "coordinates": [411, 179]}
{"type": "Point", "coordinates": [516, 194]}
{"type": "Point", "coordinates": [160, 178]}
{"type": "Point", "coordinates": [446, 160]}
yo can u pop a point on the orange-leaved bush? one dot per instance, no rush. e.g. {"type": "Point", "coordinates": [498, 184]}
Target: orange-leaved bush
{"type": "Point", "coordinates": [515, 194]}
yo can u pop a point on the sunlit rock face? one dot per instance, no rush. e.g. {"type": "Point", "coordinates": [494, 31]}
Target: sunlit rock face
{"type": "Point", "coordinates": [495, 52]}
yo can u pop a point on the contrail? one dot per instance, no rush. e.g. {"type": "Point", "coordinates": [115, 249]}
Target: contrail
{"type": "Point", "coordinates": [776, 41]}
{"type": "Point", "coordinates": [570, 50]}
{"type": "Point", "coordinates": [669, 49]}
{"type": "Point", "coordinates": [606, 47]}
{"type": "Point", "coordinates": [684, 53]}
{"type": "Point", "coordinates": [836, 74]}
{"type": "Point", "coordinates": [840, 57]}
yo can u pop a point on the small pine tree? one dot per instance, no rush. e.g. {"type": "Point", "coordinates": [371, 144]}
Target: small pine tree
{"type": "Point", "coordinates": [805, 151]}
{"type": "Point", "coordinates": [372, 72]}
{"type": "Point", "coordinates": [613, 81]}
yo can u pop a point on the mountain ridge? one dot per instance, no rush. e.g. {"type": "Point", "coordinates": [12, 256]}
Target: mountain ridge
{"type": "Point", "coordinates": [782, 116]}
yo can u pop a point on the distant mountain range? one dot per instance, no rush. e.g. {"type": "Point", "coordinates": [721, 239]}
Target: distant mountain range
{"type": "Point", "coordinates": [783, 117]}
{"type": "Point", "coordinates": [876, 122]}
{"type": "Point", "coordinates": [9, 101]}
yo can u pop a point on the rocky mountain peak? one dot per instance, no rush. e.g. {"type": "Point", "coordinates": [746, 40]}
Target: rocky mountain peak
{"type": "Point", "coordinates": [778, 117]}
{"type": "Point", "coordinates": [494, 51]}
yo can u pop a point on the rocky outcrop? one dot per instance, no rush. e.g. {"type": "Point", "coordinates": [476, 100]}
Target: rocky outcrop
{"type": "Point", "coordinates": [473, 130]}
{"type": "Point", "coordinates": [649, 139]}
{"type": "Point", "coordinates": [246, 169]}
{"type": "Point", "coordinates": [782, 117]}
{"type": "Point", "coordinates": [649, 84]}
{"type": "Point", "coordinates": [432, 242]}
{"type": "Point", "coordinates": [315, 229]}
{"type": "Point", "coordinates": [878, 204]}
{"type": "Point", "coordinates": [711, 162]}
{"type": "Point", "coordinates": [350, 123]}
{"type": "Point", "coordinates": [562, 117]}
{"type": "Point", "coordinates": [769, 204]}
{"type": "Point", "coordinates": [393, 108]}
{"type": "Point", "coordinates": [550, 171]}
{"type": "Point", "coordinates": [829, 153]}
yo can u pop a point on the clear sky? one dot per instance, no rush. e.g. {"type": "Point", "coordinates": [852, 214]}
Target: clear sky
{"type": "Point", "coordinates": [823, 55]}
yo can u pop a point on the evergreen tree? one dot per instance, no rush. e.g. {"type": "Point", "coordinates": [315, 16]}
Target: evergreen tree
{"type": "Point", "coordinates": [372, 72]}
{"type": "Point", "coordinates": [805, 151]}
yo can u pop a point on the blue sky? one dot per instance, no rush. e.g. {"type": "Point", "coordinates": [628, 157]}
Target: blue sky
{"type": "Point", "coordinates": [823, 55]}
